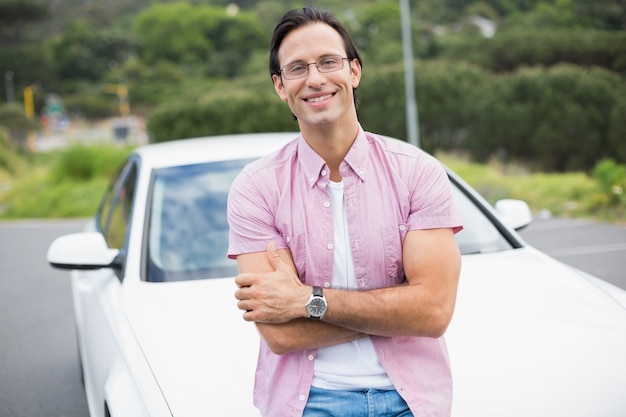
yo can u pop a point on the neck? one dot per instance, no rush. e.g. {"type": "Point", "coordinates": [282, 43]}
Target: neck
{"type": "Point", "coordinates": [331, 143]}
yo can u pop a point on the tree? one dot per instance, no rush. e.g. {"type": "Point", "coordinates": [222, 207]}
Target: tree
{"type": "Point", "coordinates": [198, 35]}
{"type": "Point", "coordinates": [16, 19]}
{"type": "Point", "coordinates": [82, 53]}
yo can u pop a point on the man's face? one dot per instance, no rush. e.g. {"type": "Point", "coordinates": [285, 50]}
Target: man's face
{"type": "Point", "coordinates": [317, 99]}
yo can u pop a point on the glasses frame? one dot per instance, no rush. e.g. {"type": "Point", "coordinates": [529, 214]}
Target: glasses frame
{"type": "Point", "coordinates": [318, 62]}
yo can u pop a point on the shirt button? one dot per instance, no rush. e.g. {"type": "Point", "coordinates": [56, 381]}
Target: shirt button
{"type": "Point", "coordinates": [302, 398]}
{"type": "Point", "coordinates": [330, 246]}
{"type": "Point", "coordinates": [402, 227]}
{"type": "Point", "coordinates": [327, 285]}
{"type": "Point", "coordinates": [326, 204]}
{"type": "Point", "coordinates": [323, 172]}
{"type": "Point", "coordinates": [311, 357]}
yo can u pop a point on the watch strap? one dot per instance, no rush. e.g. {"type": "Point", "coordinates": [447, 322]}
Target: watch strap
{"type": "Point", "coordinates": [318, 292]}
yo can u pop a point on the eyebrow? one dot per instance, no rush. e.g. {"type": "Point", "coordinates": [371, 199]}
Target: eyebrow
{"type": "Point", "coordinates": [316, 59]}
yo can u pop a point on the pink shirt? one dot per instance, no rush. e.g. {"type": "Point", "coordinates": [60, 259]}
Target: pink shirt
{"type": "Point", "coordinates": [390, 187]}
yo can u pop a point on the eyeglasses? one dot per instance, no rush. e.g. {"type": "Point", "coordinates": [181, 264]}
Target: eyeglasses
{"type": "Point", "coordinates": [329, 63]}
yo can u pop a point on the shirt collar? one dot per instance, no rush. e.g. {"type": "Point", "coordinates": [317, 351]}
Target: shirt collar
{"type": "Point", "coordinates": [312, 164]}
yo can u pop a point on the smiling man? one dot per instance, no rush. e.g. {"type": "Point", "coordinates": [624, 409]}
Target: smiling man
{"type": "Point", "coordinates": [345, 246]}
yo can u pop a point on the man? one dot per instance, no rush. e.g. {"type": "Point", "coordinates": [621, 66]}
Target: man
{"type": "Point", "coordinates": [345, 246]}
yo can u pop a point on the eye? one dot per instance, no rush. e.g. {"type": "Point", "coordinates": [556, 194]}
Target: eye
{"type": "Point", "coordinates": [328, 62]}
{"type": "Point", "coordinates": [296, 68]}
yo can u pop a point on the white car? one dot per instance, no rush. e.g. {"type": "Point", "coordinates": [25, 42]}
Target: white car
{"type": "Point", "coordinates": [159, 333]}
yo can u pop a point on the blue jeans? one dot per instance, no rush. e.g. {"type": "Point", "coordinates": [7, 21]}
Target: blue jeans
{"type": "Point", "coordinates": [366, 403]}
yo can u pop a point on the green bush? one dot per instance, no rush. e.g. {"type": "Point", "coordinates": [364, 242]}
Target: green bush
{"type": "Point", "coordinates": [559, 119]}
{"type": "Point", "coordinates": [67, 183]}
{"type": "Point", "coordinates": [562, 118]}
{"type": "Point", "coordinates": [238, 113]}
{"type": "Point", "coordinates": [149, 84]}
{"type": "Point", "coordinates": [381, 101]}
{"type": "Point", "coordinates": [509, 50]}
{"type": "Point", "coordinates": [443, 89]}
{"type": "Point", "coordinates": [8, 152]}
{"type": "Point", "coordinates": [13, 119]}
{"type": "Point", "coordinates": [81, 163]}
{"type": "Point", "coordinates": [611, 179]}
{"type": "Point", "coordinates": [54, 199]}
{"type": "Point", "coordinates": [617, 130]}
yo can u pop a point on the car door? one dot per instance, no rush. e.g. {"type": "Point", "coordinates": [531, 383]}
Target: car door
{"type": "Point", "coordinates": [102, 328]}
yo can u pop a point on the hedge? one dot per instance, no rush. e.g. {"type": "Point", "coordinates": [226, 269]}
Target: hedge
{"type": "Point", "coordinates": [509, 50]}
{"type": "Point", "coordinates": [559, 118]}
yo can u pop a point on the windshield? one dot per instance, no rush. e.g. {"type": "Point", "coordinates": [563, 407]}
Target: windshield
{"type": "Point", "coordinates": [188, 230]}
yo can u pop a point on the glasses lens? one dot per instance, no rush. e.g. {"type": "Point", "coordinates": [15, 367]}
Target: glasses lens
{"type": "Point", "coordinates": [329, 63]}
{"type": "Point", "coordinates": [295, 70]}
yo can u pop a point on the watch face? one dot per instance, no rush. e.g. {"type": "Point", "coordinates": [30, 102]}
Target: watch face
{"type": "Point", "coordinates": [316, 307]}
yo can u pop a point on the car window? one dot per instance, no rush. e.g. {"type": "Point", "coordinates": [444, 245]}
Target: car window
{"type": "Point", "coordinates": [479, 234]}
{"type": "Point", "coordinates": [107, 201]}
{"type": "Point", "coordinates": [188, 230]}
{"type": "Point", "coordinates": [117, 206]}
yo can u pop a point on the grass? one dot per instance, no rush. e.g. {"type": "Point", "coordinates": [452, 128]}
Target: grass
{"type": "Point", "coordinates": [573, 194]}
{"type": "Point", "coordinates": [60, 184]}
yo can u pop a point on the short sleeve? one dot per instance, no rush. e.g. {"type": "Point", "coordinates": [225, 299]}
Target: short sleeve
{"type": "Point", "coordinates": [432, 203]}
{"type": "Point", "coordinates": [250, 217]}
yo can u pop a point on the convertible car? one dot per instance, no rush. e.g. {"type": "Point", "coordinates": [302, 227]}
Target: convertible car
{"type": "Point", "coordinates": [159, 333]}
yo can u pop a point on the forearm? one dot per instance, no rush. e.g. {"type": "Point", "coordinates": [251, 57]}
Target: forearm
{"type": "Point", "coordinates": [302, 334]}
{"type": "Point", "coordinates": [421, 307]}
{"type": "Point", "coordinates": [408, 310]}
{"type": "Point", "coordinates": [396, 311]}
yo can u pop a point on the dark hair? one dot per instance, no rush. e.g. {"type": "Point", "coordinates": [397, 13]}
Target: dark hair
{"type": "Point", "coordinates": [306, 16]}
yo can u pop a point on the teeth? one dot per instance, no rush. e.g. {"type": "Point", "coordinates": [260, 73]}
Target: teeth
{"type": "Point", "coordinates": [318, 99]}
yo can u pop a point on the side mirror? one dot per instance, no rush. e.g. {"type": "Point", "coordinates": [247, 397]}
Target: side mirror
{"type": "Point", "coordinates": [81, 251]}
{"type": "Point", "coordinates": [514, 213]}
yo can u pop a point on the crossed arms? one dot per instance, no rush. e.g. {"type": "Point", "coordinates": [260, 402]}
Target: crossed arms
{"type": "Point", "coordinates": [271, 295]}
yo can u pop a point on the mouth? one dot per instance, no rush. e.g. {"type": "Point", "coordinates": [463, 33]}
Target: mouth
{"type": "Point", "coordinates": [318, 99]}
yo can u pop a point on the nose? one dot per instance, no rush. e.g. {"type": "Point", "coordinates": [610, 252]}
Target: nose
{"type": "Point", "coordinates": [315, 77]}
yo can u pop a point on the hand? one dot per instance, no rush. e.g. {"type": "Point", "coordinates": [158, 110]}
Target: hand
{"type": "Point", "coordinates": [272, 297]}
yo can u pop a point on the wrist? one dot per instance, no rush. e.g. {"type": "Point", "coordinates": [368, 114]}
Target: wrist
{"type": "Point", "coordinates": [316, 305]}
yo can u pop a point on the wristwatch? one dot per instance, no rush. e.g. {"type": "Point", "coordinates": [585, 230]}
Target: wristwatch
{"type": "Point", "coordinates": [317, 304]}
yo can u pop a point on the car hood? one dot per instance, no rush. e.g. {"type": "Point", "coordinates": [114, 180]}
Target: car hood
{"type": "Point", "coordinates": [201, 351]}
{"type": "Point", "coordinates": [532, 337]}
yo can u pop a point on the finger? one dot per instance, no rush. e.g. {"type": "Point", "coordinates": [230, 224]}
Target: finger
{"type": "Point", "coordinates": [239, 295]}
{"type": "Point", "coordinates": [243, 305]}
{"type": "Point", "coordinates": [247, 315]}
{"type": "Point", "coordinates": [243, 280]}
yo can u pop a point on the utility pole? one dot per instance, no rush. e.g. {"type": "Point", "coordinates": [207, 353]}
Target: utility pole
{"type": "Point", "coordinates": [412, 122]}
{"type": "Point", "coordinates": [10, 88]}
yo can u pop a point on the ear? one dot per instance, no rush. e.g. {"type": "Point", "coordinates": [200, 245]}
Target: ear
{"type": "Point", "coordinates": [355, 70]}
{"type": "Point", "coordinates": [279, 87]}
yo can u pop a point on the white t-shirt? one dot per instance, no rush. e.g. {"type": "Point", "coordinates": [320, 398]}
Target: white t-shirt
{"type": "Point", "coordinates": [351, 365]}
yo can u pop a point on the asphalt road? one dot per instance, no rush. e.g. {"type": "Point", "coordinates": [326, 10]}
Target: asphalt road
{"type": "Point", "coordinates": [594, 247]}
{"type": "Point", "coordinates": [39, 374]}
